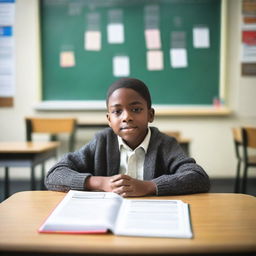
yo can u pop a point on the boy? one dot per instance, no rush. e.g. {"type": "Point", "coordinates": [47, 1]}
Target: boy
{"type": "Point", "coordinates": [129, 158]}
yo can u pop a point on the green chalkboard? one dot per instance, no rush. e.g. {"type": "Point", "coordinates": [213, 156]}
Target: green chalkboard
{"type": "Point", "coordinates": [63, 25]}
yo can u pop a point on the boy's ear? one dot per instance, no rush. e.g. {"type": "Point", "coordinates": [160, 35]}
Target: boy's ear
{"type": "Point", "coordinates": [108, 118]}
{"type": "Point", "coordinates": [151, 115]}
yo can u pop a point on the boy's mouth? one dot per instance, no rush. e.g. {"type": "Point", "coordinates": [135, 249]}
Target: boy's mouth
{"type": "Point", "coordinates": [128, 128]}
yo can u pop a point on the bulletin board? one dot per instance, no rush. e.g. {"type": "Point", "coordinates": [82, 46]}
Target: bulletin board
{"type": "Point", "coordinates": [7, 53]}
{"type": "Point", "coordinates": [70, 72]}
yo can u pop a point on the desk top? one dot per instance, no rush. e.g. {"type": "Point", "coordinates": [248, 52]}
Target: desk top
{"type": "Point", "coordinates": [220, 222]}
{"type": "Point", "coordinates": [27, 147]}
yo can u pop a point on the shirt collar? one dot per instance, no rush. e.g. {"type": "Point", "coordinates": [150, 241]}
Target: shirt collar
{"type": "Point", "coordinates": [144, 144]}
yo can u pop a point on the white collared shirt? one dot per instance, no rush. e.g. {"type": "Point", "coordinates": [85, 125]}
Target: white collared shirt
{"type": "Point", "coordinates": [132, 161]}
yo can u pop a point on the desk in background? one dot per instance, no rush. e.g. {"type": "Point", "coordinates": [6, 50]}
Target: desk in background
{"type": "Point", "coordinates": [84, 124]}
{"type": "Point", "coordinates": [25, 154]}
{"type": "Point", "coordinates": [222, 223]}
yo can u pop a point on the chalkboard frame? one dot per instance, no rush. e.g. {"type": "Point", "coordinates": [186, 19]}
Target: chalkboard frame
{"type": "Point", "coordinates": [60, 104]}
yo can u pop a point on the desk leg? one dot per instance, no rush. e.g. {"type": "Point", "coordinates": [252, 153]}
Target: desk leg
{"type": "Point", "coordinates": [244, 181]}
{"type": "Point", "coordinates": [6, 182]}
{"type": "Point", "coordinates": [237, 182]}
{"type": "Point", "coordinates": [42, 176]}
{"type": "Point", "coordinates": [33, 183]}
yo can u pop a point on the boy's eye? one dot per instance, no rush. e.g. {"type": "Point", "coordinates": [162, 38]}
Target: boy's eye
{"type": "Point", "coordinates": [116, 111]}
{"type": "Point", "coordinates": [137, 110]}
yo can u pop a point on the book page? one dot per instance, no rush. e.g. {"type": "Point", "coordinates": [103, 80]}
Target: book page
{"type": "Point", "coordinates": [157, 218]}
{"type": "Point", "coordinates": [84, 212]}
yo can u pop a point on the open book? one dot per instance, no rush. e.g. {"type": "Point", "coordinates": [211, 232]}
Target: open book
{"type": "Point", "coordinates": [100, 212]}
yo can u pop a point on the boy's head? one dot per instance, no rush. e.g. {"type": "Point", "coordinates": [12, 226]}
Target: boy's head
{"type": "Point", "coordinates": [129, 110]}
{"type": "Point", "coordinates": [131, 83]}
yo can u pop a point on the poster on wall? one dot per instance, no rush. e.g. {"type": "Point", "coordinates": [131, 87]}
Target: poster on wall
{"type": "Point", "coordinates": [248, 52]}
{"type": "Point", "coordinates": [7, 53]}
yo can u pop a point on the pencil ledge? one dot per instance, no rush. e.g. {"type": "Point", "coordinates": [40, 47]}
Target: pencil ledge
{"type": "Point", "coordinates": [208, 110]}
{"type": "Point", "coordinates": [161, 110]}
{"type": "Point", "coordinates": [70, 105]}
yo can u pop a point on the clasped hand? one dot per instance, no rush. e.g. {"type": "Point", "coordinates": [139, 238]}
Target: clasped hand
{"type": "Point", "coordinates": [121, 184]}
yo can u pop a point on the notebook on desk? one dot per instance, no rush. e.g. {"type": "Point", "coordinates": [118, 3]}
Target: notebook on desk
{"type": "Point", "coordinates": [102, 212]}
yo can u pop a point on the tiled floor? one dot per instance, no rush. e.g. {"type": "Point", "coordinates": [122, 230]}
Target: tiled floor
{"type": "Point", "coordinates": [217, 186]}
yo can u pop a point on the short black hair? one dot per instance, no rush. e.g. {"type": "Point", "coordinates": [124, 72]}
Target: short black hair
{"type": "Point", "coordinates": [131, 83]}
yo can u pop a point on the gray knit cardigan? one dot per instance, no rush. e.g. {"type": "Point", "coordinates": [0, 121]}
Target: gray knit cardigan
{"type": "Point", "coordinates": [165, 164]}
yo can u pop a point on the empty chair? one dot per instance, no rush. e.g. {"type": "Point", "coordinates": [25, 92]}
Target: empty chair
{"type": "Point", "coordinates": [249, 159]}
{"type": "Point", "coordinates": [237, 138]}
{"type": "Point", "coordinates": [53, 127]}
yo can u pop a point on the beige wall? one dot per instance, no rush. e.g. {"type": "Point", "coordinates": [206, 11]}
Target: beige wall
{"type": "Point", "coordinates": [211, 136]}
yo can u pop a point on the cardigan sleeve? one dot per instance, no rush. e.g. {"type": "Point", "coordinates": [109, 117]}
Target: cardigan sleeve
{"type": "Point", "coordinates": [189, 178]}
{"type": "Point", "coordinates": [179, 174]}
{"type": "Point", "coordinates": [72, 170]}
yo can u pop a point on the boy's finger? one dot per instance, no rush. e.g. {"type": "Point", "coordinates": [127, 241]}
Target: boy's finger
{"type": "Point", "coordinates": [120, 176]}
{"type": "Point", "coordinates": [121, 182]}
{"type": "Point", "coordinates": [122, 189]}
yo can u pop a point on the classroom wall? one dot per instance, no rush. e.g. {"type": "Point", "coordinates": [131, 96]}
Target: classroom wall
{"type": "Point", "coordinates": [211, 145]}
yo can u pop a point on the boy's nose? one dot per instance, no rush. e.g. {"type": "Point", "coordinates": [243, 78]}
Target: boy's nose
{"type": "Point", "coordinates": [126, 116]}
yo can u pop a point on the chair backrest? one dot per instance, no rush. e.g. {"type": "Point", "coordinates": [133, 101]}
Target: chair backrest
{"type": "Point", "coordinates": [249, 137]}
{"type": "Point", "coordinates": [52, 126]}
{"type": "Point", "coordinates": [237, 138]}
{"type": "Point", "coordinates": [237, 134]}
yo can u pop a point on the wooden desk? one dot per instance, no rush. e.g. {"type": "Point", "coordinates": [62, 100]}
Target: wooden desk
{"type": "Point", "coordinates": [25, 154]}
{"type": "Point", "coordinates": [222, 223]}
{"type": "Point", "coordinates": [86, 124]}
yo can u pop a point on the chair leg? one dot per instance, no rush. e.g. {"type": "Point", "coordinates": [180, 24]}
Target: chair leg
{"type": "Point", "coordinates": [33, 182]}
{"type": "Point", "coordinates": [244, 179]}
{"type": "Point", "coordinates": [42, 176]}
{"type": "Point", "coordinates": [6, 183]}
{"type": "Point", "coordinates": [237, 182]}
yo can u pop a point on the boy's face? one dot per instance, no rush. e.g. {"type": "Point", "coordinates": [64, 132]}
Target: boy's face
{"type": "Point", "coordinates": [128, 115]}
